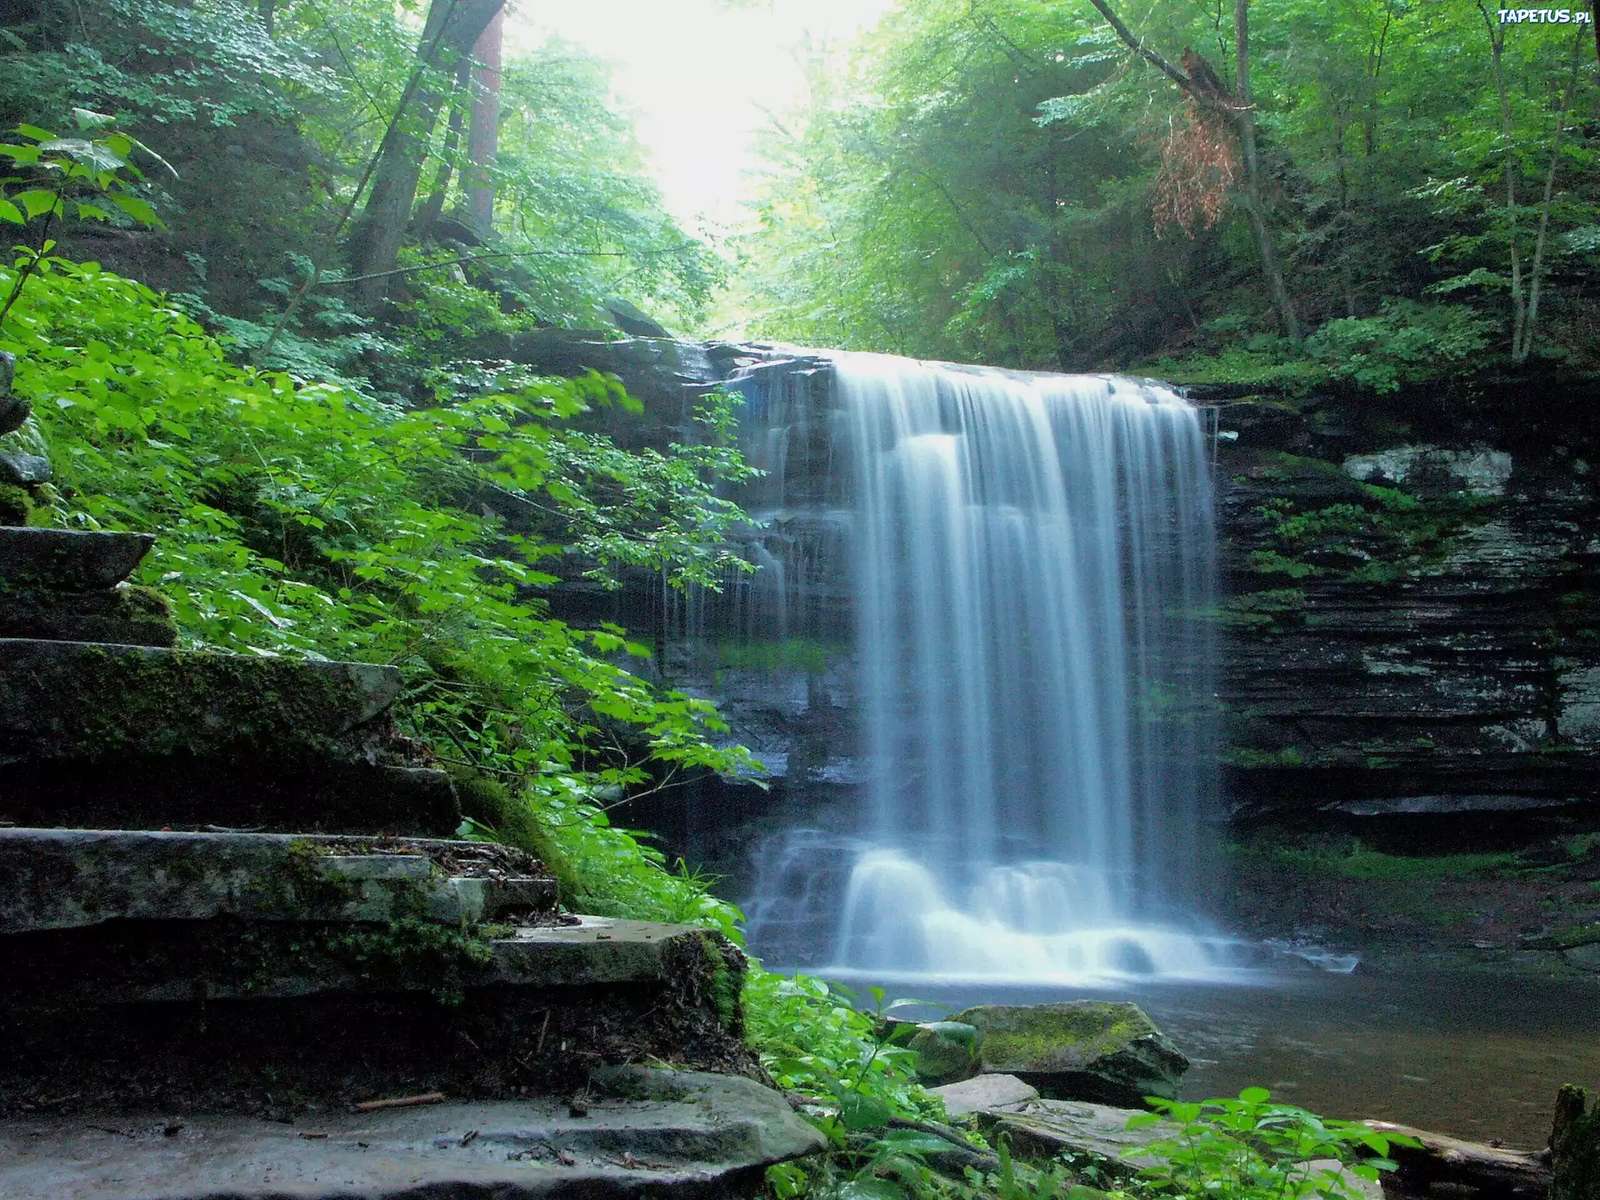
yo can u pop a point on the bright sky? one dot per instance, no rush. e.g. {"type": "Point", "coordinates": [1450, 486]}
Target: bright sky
{"type": "Point", "coordinates": [696, 75]}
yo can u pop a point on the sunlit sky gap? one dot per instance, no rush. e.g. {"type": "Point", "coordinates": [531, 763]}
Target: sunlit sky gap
{"type": "Point", "coordinates": [699, 77]}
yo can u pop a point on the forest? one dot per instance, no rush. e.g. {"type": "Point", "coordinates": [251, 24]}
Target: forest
{"type": "Point", "coordinates": [341, 302]}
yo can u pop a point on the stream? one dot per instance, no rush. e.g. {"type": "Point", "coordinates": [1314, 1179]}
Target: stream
{"type": "Point", "coordinates": [1477, 1055]}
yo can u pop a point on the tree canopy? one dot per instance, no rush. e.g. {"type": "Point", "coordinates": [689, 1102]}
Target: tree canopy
{"type": "Point", "coordinates": [1012, 181]}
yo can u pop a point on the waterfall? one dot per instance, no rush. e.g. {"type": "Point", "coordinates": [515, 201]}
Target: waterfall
{"type": "Point", "coordinates": [1031, 558]}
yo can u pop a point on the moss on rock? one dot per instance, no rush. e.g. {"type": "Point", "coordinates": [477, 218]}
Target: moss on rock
{"type": "Point", "coordinates": [1109, 1053]}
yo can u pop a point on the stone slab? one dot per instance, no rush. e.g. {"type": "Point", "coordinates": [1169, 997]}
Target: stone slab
{"type": "Point", "coordinates": [644, 1133]}
{"type": "Point", "coordinates": [68, 560]}
{"type": "Point", "coordinates": [174, 962]}
{"type": "Point", "coordinates": [984, 1094]}
{"type": "Point", "coordinates": [1071, 1126]}
{"type": "Point", "coordinates": [91, 700]}
{"type": "Point", "coordinates": [1342, 1177]}
{"type": "Point", "coordinates": [234, 791]}
{"type": "Point", "coordinates": [71, 878]}
{"type": "Point", "coordinates": [123, 615]}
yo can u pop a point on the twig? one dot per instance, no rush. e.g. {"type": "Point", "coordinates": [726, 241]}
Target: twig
{"type": "Point", "coordinates": [400, 1102]}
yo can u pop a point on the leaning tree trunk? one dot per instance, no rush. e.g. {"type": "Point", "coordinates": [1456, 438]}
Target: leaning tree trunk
{"type": "Point", "coordinates": [1242, 117]}
{"type": "Point", "coordinates": [1255, 207]}
{"type": "Point", "coordinates": [447, 36]}
{"type": "Point", "coordinates": [484, 136]}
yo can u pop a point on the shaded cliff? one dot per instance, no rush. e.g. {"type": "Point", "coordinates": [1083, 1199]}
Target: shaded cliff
{"type": "Point", "coordinates": [1413, 625]}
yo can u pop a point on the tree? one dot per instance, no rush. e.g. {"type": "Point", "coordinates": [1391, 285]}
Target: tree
{"type": "Point", "coordinates": [448, 35]}
{"type": "Point", "coordinates": [485, 133]}
{"type": "Point", "coordinates": [1202, 85]}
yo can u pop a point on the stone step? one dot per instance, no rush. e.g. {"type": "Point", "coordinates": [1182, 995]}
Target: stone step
{"type": "Point", "coordinates": [97, 700]}
{"type": "Point", "coordinates": [123, 615]}
{"type": "Point", "coordinates": [173, 961]}
{"type": "Point", "coordinates": [66, 879]}
{"type": "Point", "coordinates": [270, 1015]}
{"type": "Point", "coordinates": [68, 560]}
{"type": "Point", "coordinates": [180, 792]}
{"type": "Point", "coordinates": [640, 1133]}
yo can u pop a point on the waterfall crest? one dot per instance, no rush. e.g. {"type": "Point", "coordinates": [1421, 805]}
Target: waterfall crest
{"type": "Point", "coordinates": [1031, 559]}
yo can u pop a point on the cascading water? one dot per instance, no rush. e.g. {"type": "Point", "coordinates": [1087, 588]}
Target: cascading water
{"type": "Point", "coordinates": [1030, 559]}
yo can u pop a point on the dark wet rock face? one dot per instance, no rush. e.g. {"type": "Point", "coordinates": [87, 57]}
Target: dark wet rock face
{"type": "Point", "coordinates": [1414, 622]}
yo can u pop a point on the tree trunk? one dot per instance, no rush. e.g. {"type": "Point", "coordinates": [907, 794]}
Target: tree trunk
{"type": "Point", "coordinates": [1255, 209]}
{"type": "Point", "coordinates": [447, 36]}
{"type": "Point", "coordinates": [1497, 60]}
{"type": "Point", "coordinates": [1575, 1146]}
{"type": "Point", "coordinates": [268, 12]}
{"type": "Point", "coordinates": [1536, 268]}
{"type": "Point", "coordinates": [433, 207]}
{"type": "Point", "coordinates": [484, 139]}
{"type": "Point", "coordinates": [1243, 119]}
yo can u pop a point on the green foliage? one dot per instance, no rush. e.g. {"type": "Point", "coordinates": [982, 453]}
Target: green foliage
{"type": "Point", "coordinates": [1252, 1149]}
{"type": "Point", "coordinates": [61, 177]}
{"type": "Point", "coordinates": [1406, 342]}
{"type": "Point", "coordinates": [978, 181]}
{"type": "Point", "coordinates": [1349, 859]}
{"type": "Point", "coordinates": [306, 519]}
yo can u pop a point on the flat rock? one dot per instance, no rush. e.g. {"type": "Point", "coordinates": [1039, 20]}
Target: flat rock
{"type": "Point", "coordinates": [246, 791]}
{"type": "Point", "coordinates": [1055, 1126]}
{"type": "Point", "coordinates": [68, 560]}
{"type": "Point", "coordinates": [170, 962]}
{"type": "Point", "coordinates": [1107, 1053]}
{"type": "Point", "coordinates": [645, 1133]}
{"type": "Point", "coordinates": [984, 1093]}
{"type": "Point", "coordinates": [71, 878]}
{"type": "Point", "coordinates": [84, 701]}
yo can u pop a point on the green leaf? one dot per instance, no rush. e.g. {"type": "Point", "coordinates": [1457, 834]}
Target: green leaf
{"type": "Point", "coordinates": [36, 202]}
{"type": "Point", "coordinates": [87, 118]}
{"type": "Point", "coordinates": [860, 1111]}
{"type": "Point", "coordinates": [94, 155]}
{"type": "Point", "coordinates": [139, 209]}
{"type": "Point", "coordinates": [1255, 1095]}
{"type": "Point", "coordinates": [34, 133]}
{"type": "Point", "coordinates": [10, 212]}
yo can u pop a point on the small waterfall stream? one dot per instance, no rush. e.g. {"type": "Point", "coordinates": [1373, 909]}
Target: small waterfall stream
{"type": "Point", "coordinates": [1030, 559]}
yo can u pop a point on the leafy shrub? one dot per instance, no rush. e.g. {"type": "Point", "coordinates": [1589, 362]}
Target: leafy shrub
{"type": "Point", "coordinates": [308, 519]}
{"type": "Point", "coordinates": [1252, 1149]}
{"type": "Point", "coordinates": [1406, 342]}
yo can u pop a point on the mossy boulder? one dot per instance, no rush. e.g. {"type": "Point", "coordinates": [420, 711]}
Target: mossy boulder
{"type": "Point", "coordinates": [1108, 1053]}
{"type": "Point", "coordinates": [947, 1051]}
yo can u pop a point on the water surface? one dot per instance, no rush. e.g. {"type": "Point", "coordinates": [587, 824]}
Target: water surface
{"type": "Point", "coordinates": [1476, 1055]}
